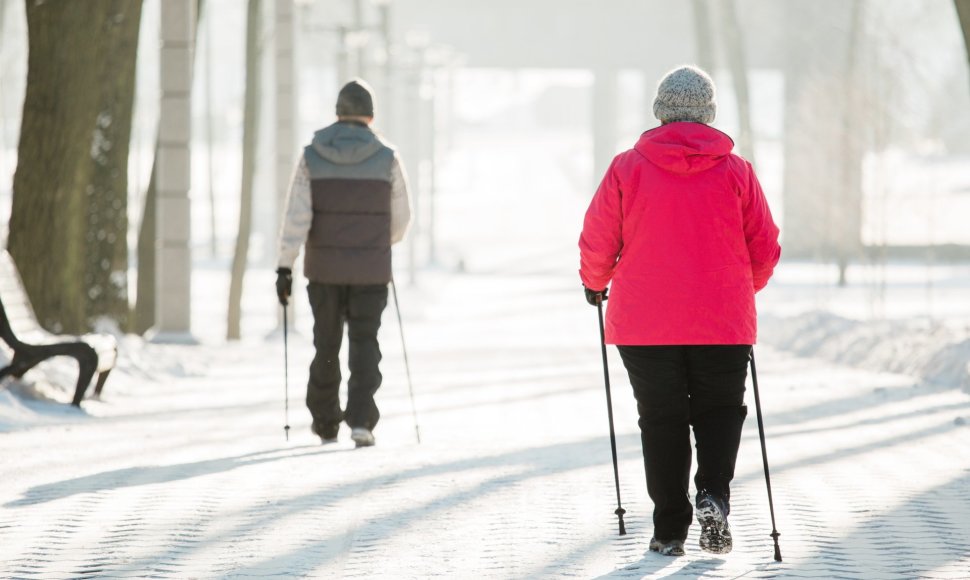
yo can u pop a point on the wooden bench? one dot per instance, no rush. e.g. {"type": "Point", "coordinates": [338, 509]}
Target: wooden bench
{"type": "Point", "coordinates": [30, 344]}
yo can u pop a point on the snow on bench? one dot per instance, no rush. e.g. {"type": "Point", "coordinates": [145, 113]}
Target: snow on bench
{"type": "Point", "coordinates": [30, 344]}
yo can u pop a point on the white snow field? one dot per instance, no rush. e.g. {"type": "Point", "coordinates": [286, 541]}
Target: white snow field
{"type": "Point", "coordinates": [182, 471]}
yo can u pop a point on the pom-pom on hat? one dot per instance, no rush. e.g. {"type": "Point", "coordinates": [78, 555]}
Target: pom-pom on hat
{"type": "Point", "coordinates": [685, 94]}
{"type": "Point", "coordinates": [356, 99]}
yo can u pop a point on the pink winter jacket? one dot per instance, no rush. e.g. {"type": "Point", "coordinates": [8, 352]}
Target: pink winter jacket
{"type": "Point", "coordinates": [682, 228]}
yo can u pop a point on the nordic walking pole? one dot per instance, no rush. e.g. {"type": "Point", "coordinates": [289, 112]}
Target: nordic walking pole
{"type": "Point", "coordinates": [286, 379]}
{"type": "Point", "coordinates": [609, 410]}
{"type": "Point", "coordinates": [764, 456]}
{"type": "Point", "coordinates": [407, 366]}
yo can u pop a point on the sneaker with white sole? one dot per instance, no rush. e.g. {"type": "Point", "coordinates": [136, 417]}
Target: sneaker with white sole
{"type": "Point", "coordinates": [715, 532]}
{"type": "Point", "coordinates": [362, 436]}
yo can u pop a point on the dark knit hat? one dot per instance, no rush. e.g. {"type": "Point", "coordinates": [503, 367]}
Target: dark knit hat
{"type": "Point", "coordinates": [356, 99]}
{"type": "Point", "coordinates": [685, 94]}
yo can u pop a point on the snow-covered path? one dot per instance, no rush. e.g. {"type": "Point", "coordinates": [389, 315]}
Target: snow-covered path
{"type": "Point", "coordinates": [190, 477]}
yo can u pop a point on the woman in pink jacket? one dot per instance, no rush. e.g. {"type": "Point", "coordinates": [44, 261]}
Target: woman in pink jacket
{"type": "Point", "coordinates": [682, 229]}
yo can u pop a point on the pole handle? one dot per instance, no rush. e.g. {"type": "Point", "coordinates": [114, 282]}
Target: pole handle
{"type": "Point", "coordinates": [619, 514]}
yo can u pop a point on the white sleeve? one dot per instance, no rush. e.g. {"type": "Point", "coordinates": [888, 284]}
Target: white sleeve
{"type": "Point", "coordinates": [400, 202]}
{"type": "Point", "coordinates": [297, 216]}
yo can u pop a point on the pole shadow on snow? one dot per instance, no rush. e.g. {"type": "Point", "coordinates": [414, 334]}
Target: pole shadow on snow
{"type": "Point", "coordinates": [867, 400]}
{"type": "Point", "coordinates": [848, 452]}
{"type": "Point", "coordinates": [851, 424]}
{"type": "Point", "coordinates": [500, 401]}
{"type": "Point", "coordinates": [910, 539]}
{"type": "Point", "coordinates": [153, 474]}
{"type": "Point", "coordinates": [636, 528]}
{"type": "Point", "coordinates": [653, 563]}
{"type": "Point", "coordinates": [892, 542]}
{"type": "Point", "coordinates": [535, 462]}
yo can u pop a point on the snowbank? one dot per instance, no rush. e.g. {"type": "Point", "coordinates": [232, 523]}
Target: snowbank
{"type": "Point", "coordinates": [920, 347]}
{"type": "Point", "coordinates": [43, 394]}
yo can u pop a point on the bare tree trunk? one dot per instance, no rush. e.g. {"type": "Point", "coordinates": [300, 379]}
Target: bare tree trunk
{"type": "Point", "coordinates": [144, 311]}
{"type": "Point", "coordinates": [3, 91]}
{"type": "Point", "coordinates": [250, 126]}
{"type": "Point", "coordinates": [360, 24]}
{"type": "Point", "coordinates": [69, 171]}
{"type": "Point", "coordinates": [213, 248]}
{"type": "Point", "coordinates": [963, 14]}
{"type": "Point", "coordinates": [739, 78]}
{"type": "Point", "coordinates": [703, 34]}
{"type": "Point", "coordinates": [847, 217]}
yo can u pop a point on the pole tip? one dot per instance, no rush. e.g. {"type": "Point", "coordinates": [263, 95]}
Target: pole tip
{"type": "Point", "coordinates": [619, 514]}
{"type": "Point", "coordinates": [286, 429]}
{"type": "Point", "coordinates": [774, 536]}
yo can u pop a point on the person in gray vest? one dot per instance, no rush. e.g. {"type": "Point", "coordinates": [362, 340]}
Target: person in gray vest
{"type": "Point", "coordinates": [347, 204]}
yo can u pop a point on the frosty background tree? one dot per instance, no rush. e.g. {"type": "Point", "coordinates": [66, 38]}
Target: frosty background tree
{"type": "Point", "coordinates": [963, 13]}
{"type": "Point", "coordinates": [250, 124]}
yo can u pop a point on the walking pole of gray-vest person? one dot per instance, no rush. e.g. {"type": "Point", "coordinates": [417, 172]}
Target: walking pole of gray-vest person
{"type": "Point", "coordinates": [407, 365]}
{"type": "Point", "coordinates": [346, 206]}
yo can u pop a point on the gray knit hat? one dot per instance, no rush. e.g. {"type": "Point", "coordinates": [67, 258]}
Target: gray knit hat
{"type": "Point", "coordinates": [355, 100]}
{"type": "Point", "coordinates": [685, 94]}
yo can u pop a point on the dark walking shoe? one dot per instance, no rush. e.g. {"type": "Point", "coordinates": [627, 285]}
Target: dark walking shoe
{"type": "Point", "coordinates": [715, 531]}
{"type": "Point", "coordinates": [327, 434]}
{"type": "Point", "coordinates": [362, 436]}
{"type": "Point", "coordinates": [670, 548]}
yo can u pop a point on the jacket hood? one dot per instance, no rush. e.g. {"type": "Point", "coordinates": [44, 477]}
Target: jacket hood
{"type": "Point", "coordinates": [346, 143]}
{"type": "Point", "coordinates": [684, 147]}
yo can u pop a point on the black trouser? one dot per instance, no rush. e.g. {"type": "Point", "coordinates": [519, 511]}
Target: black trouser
{"type": "Point", "coordinates": [360, 307]}
{"type": "Point", "coordinates": [677, 387]}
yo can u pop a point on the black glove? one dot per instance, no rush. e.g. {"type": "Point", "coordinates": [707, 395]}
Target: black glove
{"type": "Point", "coordinates": [284, 285]}
{"type": "Point", "coordinates": [594, 297]}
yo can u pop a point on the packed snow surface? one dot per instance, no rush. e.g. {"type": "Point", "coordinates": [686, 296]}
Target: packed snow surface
{"type": "Point", "coordinates": [182, 470]}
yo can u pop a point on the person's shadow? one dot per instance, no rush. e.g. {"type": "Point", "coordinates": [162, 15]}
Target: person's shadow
{"type": "Point", "coordinates": [153, 474]}
{"type": "Point", "coordinates": [654, 565]}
